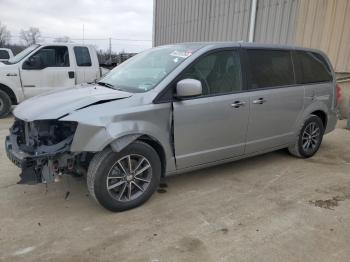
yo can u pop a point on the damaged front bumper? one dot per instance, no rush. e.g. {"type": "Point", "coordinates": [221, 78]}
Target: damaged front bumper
{"type": "Point", "coordinates": [40, 161]}
{"type": "Point", "coordinates": [24, 161]}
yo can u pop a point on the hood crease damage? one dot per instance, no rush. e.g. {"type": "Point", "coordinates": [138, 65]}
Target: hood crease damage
{"type": "Point", "coordinates": [55, 105]}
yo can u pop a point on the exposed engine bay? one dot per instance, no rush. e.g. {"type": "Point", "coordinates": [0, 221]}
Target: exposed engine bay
{"type": "Point", "coordinates": [42, 150]}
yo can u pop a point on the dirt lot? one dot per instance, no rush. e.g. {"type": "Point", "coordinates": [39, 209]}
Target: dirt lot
{"type": "Point", "coordinates": [268, 208]}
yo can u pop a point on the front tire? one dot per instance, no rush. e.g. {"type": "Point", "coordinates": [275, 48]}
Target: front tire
{"type": "Point", "coordinates": [5, 104]}
{"type": "Point", "coordinates": [309, 139]}
{"type": "Point", "coordinates": [124, 180]}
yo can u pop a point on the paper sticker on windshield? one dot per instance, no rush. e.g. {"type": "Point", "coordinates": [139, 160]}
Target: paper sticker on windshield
{"type": "Point", "coordinates": [182, 54]}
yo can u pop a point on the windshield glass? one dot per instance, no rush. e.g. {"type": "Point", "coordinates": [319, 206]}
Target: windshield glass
{"type": "Point", "coordinates": [22, 54]}
{"type": "Point", "coordinates": [144, 71]}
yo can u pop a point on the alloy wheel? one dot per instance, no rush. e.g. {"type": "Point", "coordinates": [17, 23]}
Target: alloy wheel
{"type": "Point", "coordinates": [311, 137]}
{"type": "Point", "coordinates": [129, 177]}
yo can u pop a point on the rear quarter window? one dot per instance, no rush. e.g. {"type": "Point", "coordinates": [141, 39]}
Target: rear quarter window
{"type": "Point", "coordinates": [311, 67]}
{"type": "Point", "coordinates": [270, 68]}
{"type": "Point", "coordinates": [82, 56]}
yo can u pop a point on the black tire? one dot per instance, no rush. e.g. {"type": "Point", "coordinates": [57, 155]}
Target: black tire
{"type": "Point", "coordinates": [306, 146]}
{"type": "Point", "coordinates": [101, 170]}
{"type": "Point", "coordinates": [5, 104]}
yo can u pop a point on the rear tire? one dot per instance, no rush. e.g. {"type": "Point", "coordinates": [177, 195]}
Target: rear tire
{"type": "Point", "coordinates": [5, 104]}
{"type": "Point", "coordinates": [115, 180]}
{"type": "Point", "coordinates": [309, 139]}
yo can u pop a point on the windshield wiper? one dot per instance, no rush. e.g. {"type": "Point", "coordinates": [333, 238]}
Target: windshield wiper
{"type": "Point", "coordinates": [109, 86]}
{"type": "Point", "coordinates": [106, 84]}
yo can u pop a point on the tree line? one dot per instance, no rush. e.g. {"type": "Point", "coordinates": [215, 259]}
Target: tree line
{"type": "Point", "coordinates": [28, 37]}
{"type": "Point", "coordinates": [33, 36]}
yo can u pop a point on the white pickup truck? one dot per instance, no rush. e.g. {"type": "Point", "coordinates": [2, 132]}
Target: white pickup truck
{"type": "Point", "coordinates": [5, 54]}
{"type": "Point", "coordinates": [45, 67]}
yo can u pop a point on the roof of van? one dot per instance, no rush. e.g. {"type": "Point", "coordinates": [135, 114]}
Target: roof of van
{"type": "Point", "coordinates": [249, 45]}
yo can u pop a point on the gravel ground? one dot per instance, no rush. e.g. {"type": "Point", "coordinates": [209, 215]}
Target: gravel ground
{"type": "Point", "coordinates": [268, 208]}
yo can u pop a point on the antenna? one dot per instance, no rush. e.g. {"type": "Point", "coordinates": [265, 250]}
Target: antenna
{"type": "Point", "coordinates": [83, 33]}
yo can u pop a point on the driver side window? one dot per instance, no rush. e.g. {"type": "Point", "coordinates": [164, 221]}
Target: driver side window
{"type": "Point", "coordinates": [49, 56]}
{"type": "Point", "coordinates": [219, 73]}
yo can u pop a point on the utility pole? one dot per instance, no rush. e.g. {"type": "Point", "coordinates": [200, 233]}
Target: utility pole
{"type": "Point", "coordinates": [110, 49]}
{"type": "Point", "coordinates": [252, 20]}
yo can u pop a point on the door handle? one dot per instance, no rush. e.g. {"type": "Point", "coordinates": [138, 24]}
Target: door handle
{"type": "Point", "coordinates": [259, 101]}
{"type": "Point", "coordinates": [71, 74]}
{"type": "Point", "coordinates": [238, 104]}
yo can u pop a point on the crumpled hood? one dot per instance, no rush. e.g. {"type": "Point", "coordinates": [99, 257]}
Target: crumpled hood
{"type": "Point", "coordinates": [56, 104]}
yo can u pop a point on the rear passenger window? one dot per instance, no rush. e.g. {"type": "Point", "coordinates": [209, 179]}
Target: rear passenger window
{"type": "Point", "coordinates": [311, 68]}
{"type": "Point", "coordinates": [270, 68]}
{"type": "Point", "coordinates": [219, 73]}
{"type": "Point", "coordinates": [82, 56]}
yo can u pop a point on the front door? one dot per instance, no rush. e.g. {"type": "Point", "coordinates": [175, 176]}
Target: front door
{"type": "Point", "coordinates": [213, 126]}
{"type": "Point", "coordinates": [47, 69]}
{"type": "Point", "coordinates": [276, 102]}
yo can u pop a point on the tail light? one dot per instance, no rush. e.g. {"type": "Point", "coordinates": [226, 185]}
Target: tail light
{"type": "Point", "coordinates": [337, 93]}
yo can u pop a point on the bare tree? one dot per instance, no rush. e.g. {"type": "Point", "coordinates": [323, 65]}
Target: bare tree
{"type": "Point", "coordinates": [30, 36]}
{"type": "Point", "coordinates": [5, 35]}
{"type": "Point", "coordinates": [63, 39]}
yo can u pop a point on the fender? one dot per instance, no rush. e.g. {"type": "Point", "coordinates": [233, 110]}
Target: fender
{"type": "Point", "coordinates": [317, 105]}
{"type": "Point", "coordinates": [122, 142]}
{"type": "Point", "coordinates": [119, 135]}
{"type": "Point", "coordinates": [12, 82]}
{"type": "Point", "coordinates": [128, 131]}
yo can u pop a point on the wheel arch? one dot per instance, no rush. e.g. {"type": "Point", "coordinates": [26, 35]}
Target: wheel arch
{"type": "Point", "coordinates": [157, 146]}
{"type": "Point", "coordinates": [122, 142]}
{"type": "Point", "coordinates": [322, 115]}
{"type": "Point", "coordinates": [317, 108]}
{"type": "Point", "coordinates": [10, 93]}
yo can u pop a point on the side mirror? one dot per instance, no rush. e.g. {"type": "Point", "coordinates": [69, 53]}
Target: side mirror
{"type": "Point", "coordinates": [188, 88]}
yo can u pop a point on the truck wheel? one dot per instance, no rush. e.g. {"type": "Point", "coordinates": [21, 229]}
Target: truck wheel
{"type": "Point", "coordinates": [124, 180]}
{"type": "Point", "coordinates": [309, 139]}
{"type": "Point", "coordinates": [5, 104]}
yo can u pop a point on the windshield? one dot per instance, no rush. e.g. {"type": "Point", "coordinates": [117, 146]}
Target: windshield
{"type": "Point", "coordinates": [22, 54]}
{"type": "Point", "coordinates": [144, 71]}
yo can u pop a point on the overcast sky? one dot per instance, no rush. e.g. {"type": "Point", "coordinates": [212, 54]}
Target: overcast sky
{"type": "Point", "coordinates": [119, 19]}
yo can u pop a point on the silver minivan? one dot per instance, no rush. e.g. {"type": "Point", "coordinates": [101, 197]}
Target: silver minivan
{"type": "Point", "coordinates": [174, 109]}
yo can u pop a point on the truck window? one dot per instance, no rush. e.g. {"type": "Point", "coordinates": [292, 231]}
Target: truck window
{"type": "Point", "coordinates": [4, 54]}
{"type": "Point", "coordinates": [82, 56]}
{"type": "Point", "coordinates": [270, 68]}
{"type": "Point", "coordinates": [49, 56]}
{"type": "Point", "coordinates": [311, 67]}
